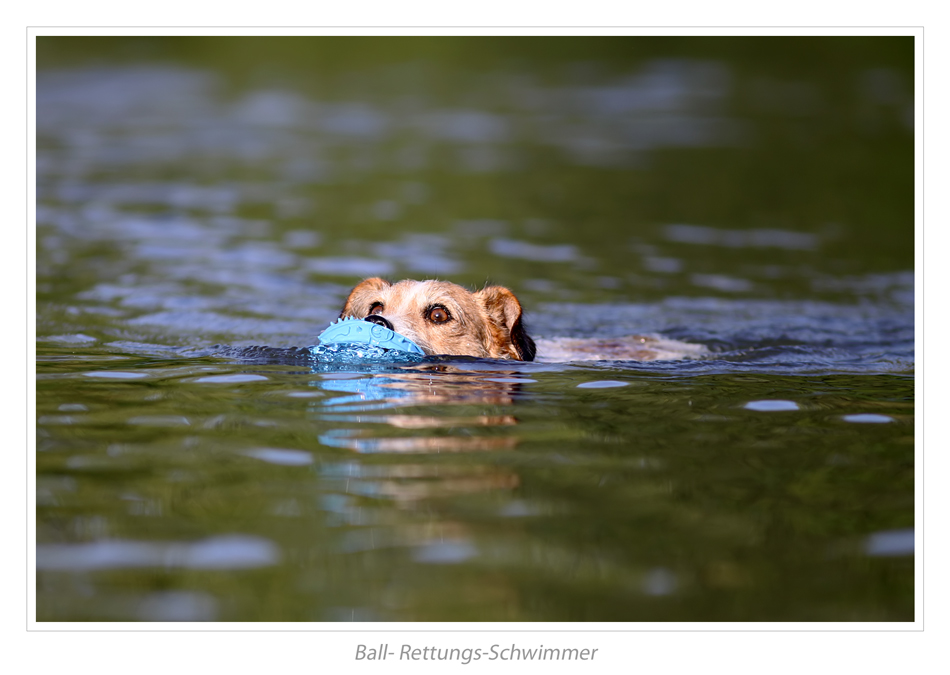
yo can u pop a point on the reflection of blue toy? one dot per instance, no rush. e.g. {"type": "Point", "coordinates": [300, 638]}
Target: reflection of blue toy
{"type": "Point", "coordinates": [356, 331]}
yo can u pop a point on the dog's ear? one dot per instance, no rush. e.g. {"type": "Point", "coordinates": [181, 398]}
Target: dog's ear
{"type": "Point", "coordinates": [504, 312]}
{"type": "Point", "coordinates": [359, 295]}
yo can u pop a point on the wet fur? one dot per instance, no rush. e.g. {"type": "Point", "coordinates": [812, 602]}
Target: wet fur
{"type": "Point", "coordinates": [486, 323]}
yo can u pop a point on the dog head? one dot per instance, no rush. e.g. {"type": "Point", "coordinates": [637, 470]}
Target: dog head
{"type": "Point", "coordinates": [444, 318]}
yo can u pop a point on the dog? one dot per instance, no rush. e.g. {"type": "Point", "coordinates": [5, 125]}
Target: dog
{"type": "Point", "coordinates": [445, 318]}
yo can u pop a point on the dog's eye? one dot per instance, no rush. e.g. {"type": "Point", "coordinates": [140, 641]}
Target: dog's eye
{"type": "Point", "coordinates": [438, 315]}
{"type": "Point", "coordinates": [376, 308]}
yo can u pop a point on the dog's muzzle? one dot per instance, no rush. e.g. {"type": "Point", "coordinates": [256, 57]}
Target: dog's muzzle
{"type": "Point", "coordinates": [382, 321]}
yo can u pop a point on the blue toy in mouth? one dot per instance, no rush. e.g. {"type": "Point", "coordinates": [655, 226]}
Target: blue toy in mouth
{"type": "Point", "coordinates": [356, 331]}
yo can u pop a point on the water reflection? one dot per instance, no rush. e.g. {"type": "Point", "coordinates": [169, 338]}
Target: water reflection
{"type": "Point", "coordinates": [659, 581]}
{"type": "Point", "coordinates": [215, 553]}
{"type": "Point", "coordinates": [663, 103]}
{"type": "Point", "coordinates": [281, 457]}
{"type": "Point", "coordinates": [406, 421]}
{"type": "Point", "coordinates": [178, 606]}
{"type": "Point", "coordinates": [408, 484]}
{"type": "Point", "coordinates": [353, 489]}
{"type": "Point", "coordinates": [360, 441]}
{"type": "Point", "coordinates": [427, 384]}
{"type": "Point", "coordinates": [772, 406]}
{"type": "Point", "coordinates": [754, 238]}
{"type": "Point", "coordinates": [511, 248]}
{"type": "Point", "coordinates": [890, 543]}
{"type": "Point", "coordinates": [445, 552]}
{"type": "Point", "coordinates": [424, 385]}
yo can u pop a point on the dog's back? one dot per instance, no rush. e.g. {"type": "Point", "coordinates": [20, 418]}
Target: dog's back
{"type": "Point", "coordinates": [629, 348]}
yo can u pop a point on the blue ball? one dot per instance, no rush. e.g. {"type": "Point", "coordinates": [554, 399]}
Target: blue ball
{"type": "Point", "coordinates": [356, 331]}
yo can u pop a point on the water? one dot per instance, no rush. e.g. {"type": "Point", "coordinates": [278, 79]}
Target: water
{"type": "Point", "coordinates": [202, 216]}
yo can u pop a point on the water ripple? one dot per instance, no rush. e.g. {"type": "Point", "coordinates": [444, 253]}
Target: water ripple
{"type": "Point", "coordinates": [228, 552]}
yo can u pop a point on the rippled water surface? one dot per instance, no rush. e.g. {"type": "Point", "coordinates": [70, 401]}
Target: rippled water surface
{"type": "Point", "coordinates": [204, 206]}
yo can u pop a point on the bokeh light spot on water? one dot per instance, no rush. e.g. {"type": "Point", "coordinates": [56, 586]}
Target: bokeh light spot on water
{"type": "Point", "coordinates": [75, 338]}
{"type": "Point", "coordinates": [696, 234]}
{"type": "Point", "coordinates": [518, 509]}
{"type": "Point", "coordinates": [116, 375]}
{"type": "Point", "coordinates": [220, 552]}
{"type": "Point", "coordinates": [771, 405]}
{"type": "Point", "coordinates": [867, 418]}
{"type": "Point", "coordinates": [511, 248]}
{"type": "Point", "coordinates": [659, 581]}
{"type": "Point", "coordinates": [350, 267]}
{"type": "Point", "coordinates": [602, 384]}
{"type": "Point", "coordinates": [890, 543]}
{"type": "Point", "coordinates": [722, 282]}
{"type": "Point", "coordinates": [445, 552]}
{"type": "Point", "coordinates": [159, 420]}
{"type": "Point", "coordinates": [280, 456]}
{"type": "Point", "coordinates": [178, 606]}
{"type": "Point", "coordinates": [235, 378]}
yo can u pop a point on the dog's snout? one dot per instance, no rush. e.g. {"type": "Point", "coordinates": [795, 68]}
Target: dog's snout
{"type": "Point", "coordinates": [382, 321]}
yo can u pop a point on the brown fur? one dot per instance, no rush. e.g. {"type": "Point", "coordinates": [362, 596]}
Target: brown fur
{"type": "Point", "coordinates": [484, 324]}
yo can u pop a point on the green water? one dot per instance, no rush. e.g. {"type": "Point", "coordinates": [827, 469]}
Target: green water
{"type": "Point", "coordinates": [200, 196]}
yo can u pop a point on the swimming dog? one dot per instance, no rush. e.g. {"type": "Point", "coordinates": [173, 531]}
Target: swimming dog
{"type": "Point", "coordinates": [445, 318]}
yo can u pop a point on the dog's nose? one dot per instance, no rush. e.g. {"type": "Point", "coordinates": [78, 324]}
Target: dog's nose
{"type": "Point", "coordinates": [382, 321]}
